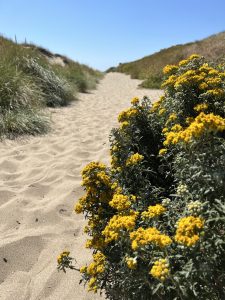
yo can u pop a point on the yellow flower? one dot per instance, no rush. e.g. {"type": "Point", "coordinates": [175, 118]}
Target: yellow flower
{"type": "Point", "coordinates": [92, 285]}
{"type": "Point", "coordinates": [135, 100]}
{"type": "Point", "coordinates": [165, 129]}
{"type": "Point", "coordinates": [124, 125]}
{"type": "Point", "coordinates": [176, 127]}
{"type": "Point", "coordinates": [153, 211]}
{"type": "Point", "coordinates": [170, 81]}
{"type": "Point", "coordinates": [216, 92]}
{"type": "Point", "coordinates": [201, 106]}
{"type": "Point", "coordinates": [91, 167]}
{"type": "Point", "coordinates": [116, 224]}
{"type": "Point", "coordinates": [162, 151]}
{"type": "Point", "coordinates": [203, 123]}
{"type": "Point", "coordinates": [183, 63]}
{"type": "Point", "coordinates": [151, 235]}
{"type": "Point", "coordinates": [162, 111]}
{"type": "Point", "coordinates": [131, 263]}
{"type": "Point", "coordinates": [172, 117]}
{"type": "Point", "coordinates": [160, 269]}
{"type": "Point", "coordinates": [187, 230]}
{"type": "Point", "coordinates": [134, 159]}
{"type": "Point", "coordinates": [98, 265]}
{"type": "Point", "coordinates": [62, 256]}
{"type": "Point", "coordinates": [126, 114]}
{"type": "Point", "coordinates": [170, 69]}
{"type": "Point", "coordinates": [193, 56]}
{"type": "Point", "coordinates": [203, 86]}
{"type": "Point", "coordinates": [120, 202]}
{"type": "Point", "coordinates": [83, 269]}
{"type": "Point", "coordinates": [78, 208]}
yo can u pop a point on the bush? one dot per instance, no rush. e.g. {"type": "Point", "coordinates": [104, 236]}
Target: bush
{"type": "Point", "coordinates": [152, 82]}
{"type": "Point", "coordinates": [156, 216]}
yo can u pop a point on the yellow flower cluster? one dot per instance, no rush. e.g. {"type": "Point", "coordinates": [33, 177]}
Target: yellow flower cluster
{"type": "Point", "coordinates": [91, 167]}
{"type": "Point", "coordinates": [94, 173]}
{"type": "Point", "coordinates": [127, 114]}
{"type": "Point", "coordinates": [62, 256]}
{"type": "Point", "coordinates": [98, 187]}
{"type": "Point", "coordinates": [172, 117]}
{"type": "Point", "coordinates": [160, 269]}
{"type": "Point", "coordinates": [151, 235]}
{"type": "Point", "coordinates": [98, 264]}
{"type": "Point", "coordinates": [94, 269]}
{"type": "Point", "coordinates": [124, 125]}
{"type": "Point", "coordinates": [216, 92]}
{"type": "Point", "coordinates": [118, 223]}
{"type": "Point", "coordinates": [157, 104]}
{"type": "Point", "coordinates": [134, 159]}
{"type": "Point", "coordinates": [78, 207]}
{"type": "Point", "coordinates": [92, 286]}
{"type": "Point", "coordinates": [201, 107]}
{"type": "Point", "coordinates": [103, 178]}
{"type": "Point", "coordinates": [170, 81]}
{"type": "Point", "coordinates": [97, 242]}
{"type": "Point", "coordinates": [162, 111]}
{"type": "Point", "coordinates": [131, 263]}
{"type": "Point", "coordinates": [187, 230]}
{"type": "Point", "coordinates": [205, 78]}
{"type": "Point", "coordinates": [169, 69]}
{"type": "Point", "coordinates": [153, 211]}
{"type": "Point", "coordinates": [120, 202]}
{"type": "Point", "coordinates": [176, 127]}
{"type": "Point", "coordinates": [162, 151]}
{"type": "Point", "coordinates": [186, 61]}
{"type": "Point", "coordinates": [135, 101]}
{"type": "Point", "coordinates": [203, 123]}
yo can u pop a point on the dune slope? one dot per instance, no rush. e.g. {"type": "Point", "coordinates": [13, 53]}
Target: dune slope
{"type": "Point", "coordinates": [39, 184]}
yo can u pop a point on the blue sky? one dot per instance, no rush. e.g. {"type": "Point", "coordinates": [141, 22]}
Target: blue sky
{"type": "Point", "coordinates": [102, 33]}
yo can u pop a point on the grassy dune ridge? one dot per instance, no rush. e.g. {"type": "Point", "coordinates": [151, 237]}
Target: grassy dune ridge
{"type": "Point", "coordinates": [149, 68]}
{"type": "Point", "coordinates": [32, 78]}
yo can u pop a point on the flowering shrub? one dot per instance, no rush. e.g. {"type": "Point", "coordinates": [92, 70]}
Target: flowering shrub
{"type": "Point", "coordinates": [156, 215]}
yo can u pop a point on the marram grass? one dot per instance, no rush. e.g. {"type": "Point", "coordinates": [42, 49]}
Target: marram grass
{"type": "Point", "coordinates": [29, 83]}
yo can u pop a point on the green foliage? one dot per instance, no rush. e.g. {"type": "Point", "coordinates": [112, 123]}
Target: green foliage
{"type": "Point", "coordinates": [156, 217]}
{"type": "Point", "coordinates": [152, 81]}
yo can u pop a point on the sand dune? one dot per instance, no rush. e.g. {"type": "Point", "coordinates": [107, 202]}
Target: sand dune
{"type": "Point", "coordinates": [39, 184]}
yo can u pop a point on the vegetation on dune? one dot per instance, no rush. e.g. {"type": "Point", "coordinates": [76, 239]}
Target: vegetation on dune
{"type": "Point", "coordinates": [150, 67]}
{"type": "Point", "coordinates": [156, 218]}
{"type": "Point", "coordinates": [30, 80]}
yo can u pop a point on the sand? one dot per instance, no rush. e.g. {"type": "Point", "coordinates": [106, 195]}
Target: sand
{"type": "Point", "coordinates": [39, 185]}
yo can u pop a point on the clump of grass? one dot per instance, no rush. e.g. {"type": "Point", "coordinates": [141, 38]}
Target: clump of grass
{"type": "Point", "coordinates": [56, 91]}
{"type": "Point", "coordinates": [20, 103]}
{"type": "Point", "coordinates": [152, 81]}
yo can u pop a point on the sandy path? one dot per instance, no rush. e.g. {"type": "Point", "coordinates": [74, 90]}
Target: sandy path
{"type": "Point", "coordinates": [39, 184]}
